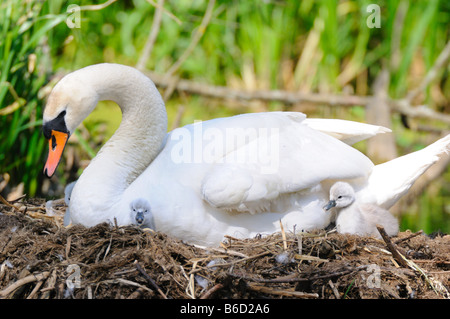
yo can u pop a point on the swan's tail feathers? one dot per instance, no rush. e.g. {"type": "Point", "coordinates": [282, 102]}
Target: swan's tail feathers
{"type": "Point", "coordinates": [389, 181]}
{"type": "Point", "coordinates": [348, 132]}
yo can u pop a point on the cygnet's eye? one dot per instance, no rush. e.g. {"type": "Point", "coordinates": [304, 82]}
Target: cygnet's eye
{"type": "Point", "coordinates": [340, 196]}
{"type": "Point", "coordinates": [134, 209]}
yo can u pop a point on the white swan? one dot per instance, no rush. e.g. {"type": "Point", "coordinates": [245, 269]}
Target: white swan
{"type": "Point", "coordinates": [238, 176]}
{"type": "Point", "coordinates": [359, 218]}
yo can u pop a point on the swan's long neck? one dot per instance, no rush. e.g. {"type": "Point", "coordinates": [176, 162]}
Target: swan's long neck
{"type": "Point", "coordinates": [134, 145]}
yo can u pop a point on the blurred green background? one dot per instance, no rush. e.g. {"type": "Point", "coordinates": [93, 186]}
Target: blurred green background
{"type": "Point", "coordinates": [323, 47]}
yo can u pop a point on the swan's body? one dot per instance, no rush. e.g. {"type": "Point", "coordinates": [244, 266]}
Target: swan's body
{"type": "Point", "coordinates": [359, 218]}
{"type": "Point", "coordinates": [235, 176]}
{"type": "Point", "coordinates": [141, 213]}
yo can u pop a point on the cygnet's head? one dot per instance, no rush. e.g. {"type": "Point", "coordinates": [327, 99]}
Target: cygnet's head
{"type": "Point", "coordinates": [341, 195]}
{"type": "Point", "coordinates": [141, 212]}
{"type": "Point", "coordinates": [68, 192]}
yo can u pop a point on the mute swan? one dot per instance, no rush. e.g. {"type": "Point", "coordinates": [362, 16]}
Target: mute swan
{"type": "Point", "coordinates": [358, 218]}
{"type": "Point", "coordinates": [235, 176]}
{"type": "Point", "coordinates": [141, 213]}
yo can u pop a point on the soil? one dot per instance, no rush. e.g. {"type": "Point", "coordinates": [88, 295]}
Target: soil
{"type": "Point", "coordinates": [41, 259]}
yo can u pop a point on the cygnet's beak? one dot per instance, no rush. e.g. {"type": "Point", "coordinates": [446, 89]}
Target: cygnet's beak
{"type": "Point", "coordinates": [330, 204]}
{"type": "Point", "coordinates": [139, 217]}
{"type": "Point", "coordinates": [56, 145]}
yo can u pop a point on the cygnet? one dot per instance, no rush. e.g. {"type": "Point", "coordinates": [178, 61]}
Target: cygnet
{"type": "Point", "coordinates": [358, 218]}
{"type": "Point", "coordinates": [67, 194]}
{"type": "Point", "coordinates": [141, 213]}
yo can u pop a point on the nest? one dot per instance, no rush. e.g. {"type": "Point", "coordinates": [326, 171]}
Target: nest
{"type": "Point", "coordinates": [41, 259]}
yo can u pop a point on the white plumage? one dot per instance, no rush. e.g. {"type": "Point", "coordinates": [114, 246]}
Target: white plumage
{"type": "Point", "coordinates": [204, 180]}
{"type": "Point", "coordinates": [354, 217]}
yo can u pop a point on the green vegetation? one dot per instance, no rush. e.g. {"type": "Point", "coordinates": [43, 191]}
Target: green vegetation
{"type": "Point", "coordinates": [309, 46]}
{"type": "Point", "coordinates": [23, 75]}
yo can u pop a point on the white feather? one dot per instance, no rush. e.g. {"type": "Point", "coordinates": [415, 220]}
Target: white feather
{"type": "Point", "coordinates": [201, 183]}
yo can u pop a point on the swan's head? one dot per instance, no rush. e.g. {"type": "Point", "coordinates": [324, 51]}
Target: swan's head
{"type": "Point", "coordinates": [69, 103]}
{"type": "Point", "coordinates": [141, 212]}
{"type": "Point", "coordinates": [341, 195]}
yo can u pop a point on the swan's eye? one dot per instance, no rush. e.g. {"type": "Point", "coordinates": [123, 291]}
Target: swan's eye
{"type": "Point", "coordinates": [340, 196]}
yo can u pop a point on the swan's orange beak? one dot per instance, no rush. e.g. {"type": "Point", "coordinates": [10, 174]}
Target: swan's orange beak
{"type": "Point", "coordinates": [56, 146]}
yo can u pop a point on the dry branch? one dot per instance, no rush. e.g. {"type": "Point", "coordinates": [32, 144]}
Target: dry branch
{"type": "Point", "coordinates": [295, 278]}
{"type": "Point", "coordinates": [28, 279]}
{"type": "Point", "coordinates": [397, 256]}
{"type": "Point", "coordinates": [146, 52]}
{"type": "Point", "coordinates": [149, 279]}
{"type": "Point", "coordinates": [285, 293]}
{"type": "Point", "coordinates": [289, 97]}
{"type": "Point", "coordinates": [211, 291]}
{"type": "Point", "coordinates": [96, 7]}
{"type": "Point", "coordinates": [167, 12]}
{"type": "Point", "coordinates": [195, 39]}
{"type": "Point", "coordinates": [439, 64]}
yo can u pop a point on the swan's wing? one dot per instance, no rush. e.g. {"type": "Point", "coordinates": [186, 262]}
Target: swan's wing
{"type": "Point", "coordinates": [391, 180]}
{"type": "Point", "coordinates": [251, 159]}
{"type": "Point", "coordinates": [348, 132]}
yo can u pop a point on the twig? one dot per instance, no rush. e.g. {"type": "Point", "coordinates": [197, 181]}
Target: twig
{"type": "Point", "coordinates": [108, 248]}
{"type": "Point", "coordinates": [149, 279]}
{"type": "Point", "coordinates": [126, 282]}
{"type": "Point", "coordinates": [397, 256]}
{"type": "Point", "coordinates": [439, 64]}
{"type": "Point", "coordinates": [422, 111]}
{"type": "Point", "coordinates": [408, 237]}
{"type": "Point", "coordinates": [334, 289]}
{"type": "Point", "coordinates": [196, 38]}
{"type": "Point", "coordinates": [287, 293]}
{"type": "Point", "coordinates": [177, 121]}
{"type": "Point", "coordinates": [68, 244]}
{"type": "Point", "coordinates": [169, 14]}
{"type": "Point", "coordinates": [35, 289]}
{"type": "Point", "coordinates": [4, 201]}
{"type": "Point", "coordinates": [295, 278]}
{"type": "Point", "coordinates": [283, 235]}
{"type": "Point", "coordinates": [231, 263]}
{"type": "Point", "coordinates": [310, 258]}
{"type": "Point", "coordinates": [146, 52]}
{"type": "Point", "coordinates": [240, 260]}
{"type": "Point", "coordinates": [31, 278]}
{"type": "Point", "coordinates": [211, 291]}
{"type": "Point", "coordinates": [437, 286]}
{"type": "Point", "coordinates": [95, 7]}
{"type": "Point", "coordinates": [136, 294]}
{"type": "Point", "coordinates": [289, 97]}
{"type": "Point", "coordinates": [223, 251]}
{"type": "Point", "coordinates": [400, 15]}
{"type": "Point", "coordinates": [50, 285]}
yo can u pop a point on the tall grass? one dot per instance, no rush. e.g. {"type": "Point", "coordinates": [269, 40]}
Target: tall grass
{"type": "Point", "coordinates": [22, 75]}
